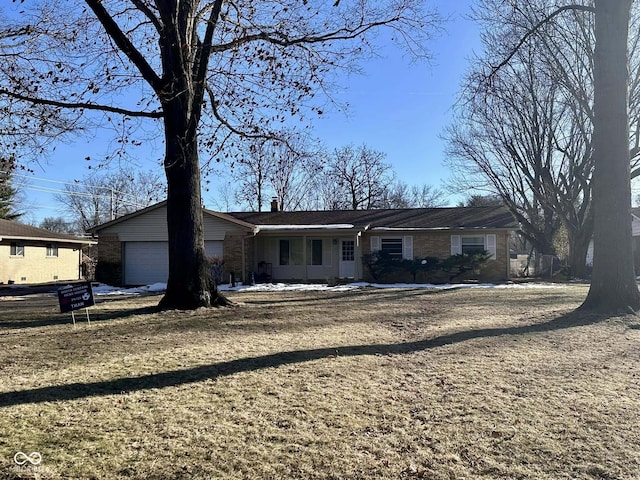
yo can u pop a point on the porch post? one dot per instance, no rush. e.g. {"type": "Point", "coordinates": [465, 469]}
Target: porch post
{"type": "Point", "coordinates": [304, 258]}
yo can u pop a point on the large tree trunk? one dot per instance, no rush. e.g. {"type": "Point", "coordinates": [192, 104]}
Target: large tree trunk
{"type": "Point", "coordinates": [613, 285]}
{"type": "Point", "coordinates": [181, 93]}
{"type": "Point", "coordinates": [189, 285]}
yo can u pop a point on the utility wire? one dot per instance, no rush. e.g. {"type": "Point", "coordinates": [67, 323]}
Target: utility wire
{"type": "Point", "coordinates": [39, 188]}
{"type": "Point", "coordinates": [81, 184]}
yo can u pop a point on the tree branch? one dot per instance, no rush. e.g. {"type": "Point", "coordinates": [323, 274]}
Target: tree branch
{"type": "Point", "coordinates": [202, 61]}
{"type": "Point", "coordinates": [86, 106]}
{"type": "Point", "coordinates": [148, 13]}
{"type": "Point", "coordinates": [124, 44]}
{"type": "Point", "coordinates": [535, 29]}
{"type": "Point", "coordinates": [281, 39]}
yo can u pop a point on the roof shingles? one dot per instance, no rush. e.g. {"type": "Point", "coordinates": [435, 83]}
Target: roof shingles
{"type": "Point", "coordinates": [15, 230]}
{"type": "Point", "coordinates": [409, 218]}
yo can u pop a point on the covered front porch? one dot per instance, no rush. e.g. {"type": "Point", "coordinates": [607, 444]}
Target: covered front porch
{"type": "Point", "coordinates": [309, 256]}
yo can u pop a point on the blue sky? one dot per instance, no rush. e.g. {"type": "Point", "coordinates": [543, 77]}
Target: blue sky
{"type": "Point", "coordinates": [395, 107]}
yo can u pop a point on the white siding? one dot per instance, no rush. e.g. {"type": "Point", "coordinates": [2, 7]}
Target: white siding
{"type": "Point", "coordinates": [152, 226]}
{"type": "Point", "coordinates": [214, 248]}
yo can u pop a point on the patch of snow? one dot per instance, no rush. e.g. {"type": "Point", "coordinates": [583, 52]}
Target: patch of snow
{"type": "Point", "coordinates": [11, 299]}
{"type": "Point", "coordinates": [290, 287]}
{"type": "Point", "coordinates": [102, 289]}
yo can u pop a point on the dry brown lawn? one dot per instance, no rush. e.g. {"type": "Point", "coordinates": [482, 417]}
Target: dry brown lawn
{"type": "Point", "coordinates": [368, 384]}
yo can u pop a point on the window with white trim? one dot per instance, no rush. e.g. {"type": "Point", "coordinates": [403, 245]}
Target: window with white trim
{"type": "Point", "coordinates": [470, 244]}
{"type": "Point", "coordinates": [395, 247]}
{"type": "Point", "coordinates": [17, 249]}
{"type": "Point", "coordinates": [52, 249]}
{"type": "Point", "coordinates": [314, 251]}
{"type": "Point", "coordinates": [291, 251]}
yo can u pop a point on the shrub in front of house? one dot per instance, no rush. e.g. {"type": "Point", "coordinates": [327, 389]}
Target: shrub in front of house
{"type": "Point", "coordinates": [215, 265]}
{"type": "Point", "coordinates": [109, 272]}
{"type": "Point", "coordinates": [384, 268]}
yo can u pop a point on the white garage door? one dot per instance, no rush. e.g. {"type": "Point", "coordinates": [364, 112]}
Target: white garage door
{"type": "Point", "coordinates": [148, 262]}
{"type": "Point", "coordinates": [145, 263]}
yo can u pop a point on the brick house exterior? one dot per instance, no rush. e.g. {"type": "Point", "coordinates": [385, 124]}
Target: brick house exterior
{"type": "Point", "coordinates": [307, 246]}
{"type": "Point", "coordinates": [321, 241]}
{"type": "Point", "coordinates": [30, 255]}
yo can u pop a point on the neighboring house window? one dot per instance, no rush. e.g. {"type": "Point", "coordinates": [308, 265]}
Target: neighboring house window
{"type": "Point", "coordinates": [398, 247]}
{"type": "Point", "coordinates": [314, 252]}
{"type": "Point", "coordinates": [52, 250]}
{"type": "Point", "coordinates": [17, 249]}
{"type": "Point", "coordinates": [291, 251]}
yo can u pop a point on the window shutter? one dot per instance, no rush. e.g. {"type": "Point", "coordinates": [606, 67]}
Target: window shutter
{"type": "Point", "coordinates": [375, 244]}
{"type": "Point", "coordinates": [407, 247]}
{"type": "Point", "coordinates": [456, 245]}
{"type": "Point", "coordinates": [491, 245]}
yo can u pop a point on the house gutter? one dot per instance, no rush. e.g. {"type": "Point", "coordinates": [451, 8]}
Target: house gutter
{"type": "Point", "coordinates": [275, 228]}
{"type": "Point", "coordinates": [48, 239]}
{"type": "Point", "coordinates": [440, 229]}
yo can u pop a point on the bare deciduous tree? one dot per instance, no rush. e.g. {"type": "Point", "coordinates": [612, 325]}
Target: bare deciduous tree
{"type": "Point", "coordinates": [526, 135]}
{"type": "Point", "coordinates": [99, 198]}
{"type": "Point", "coordinates": [286, 169]}
{"type": "Point", "coordinates": [58, 225]}
{"type": "Point", "coordinates": [361, 177]}
{"type": "Point", "coordinates": [208, 71]}
{"type": "Point", "coordinates": [613, 286]}
{"type": "Point", "coordinates": [400, 195]}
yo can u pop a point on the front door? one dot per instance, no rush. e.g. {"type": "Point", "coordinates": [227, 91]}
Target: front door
{"type": "Point", "coordinates": [347, 258]}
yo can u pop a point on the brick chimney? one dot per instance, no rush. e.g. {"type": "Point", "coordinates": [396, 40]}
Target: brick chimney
{"type": "Point", "coordinates": [275, 205]}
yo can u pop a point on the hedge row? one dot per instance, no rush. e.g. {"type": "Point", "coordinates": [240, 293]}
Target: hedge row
{"type": "Point", "coordinates": [386, 268]}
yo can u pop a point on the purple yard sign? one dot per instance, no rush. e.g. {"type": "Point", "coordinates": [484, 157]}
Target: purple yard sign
{"type": "Point", "coordinates": [75, 296]}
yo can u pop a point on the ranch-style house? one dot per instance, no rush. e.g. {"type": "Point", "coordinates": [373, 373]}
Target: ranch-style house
{"type": "Point", "coordinates": [308, 246]}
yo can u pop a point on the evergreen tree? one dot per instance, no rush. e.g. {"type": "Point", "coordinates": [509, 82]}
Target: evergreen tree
{"type": "Point", "coordinates": [7, 198]}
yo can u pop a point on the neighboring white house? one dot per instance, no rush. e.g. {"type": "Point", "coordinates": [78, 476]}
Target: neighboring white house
{"type": "Point", "coordinates": [34, 255]}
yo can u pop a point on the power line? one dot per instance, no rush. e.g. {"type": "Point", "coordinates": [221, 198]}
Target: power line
{"type": "Point", "coordinates": [39, 188]}
{"type": "Point", "coordinates": [81, 184]}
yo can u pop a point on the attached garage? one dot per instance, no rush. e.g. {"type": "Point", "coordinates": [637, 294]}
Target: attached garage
{"type": "Point", "coordinates": [135, 246]}
{"type": "Point", "coordinates": [148, 262]}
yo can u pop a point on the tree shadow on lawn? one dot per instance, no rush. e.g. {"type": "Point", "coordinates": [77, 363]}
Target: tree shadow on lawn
{"type": "Point", "coordinates": [361, 294]}
{"type": "Point", "coordinates": [50, 319]}
{"type": "Point", "coordinates": [76, 391]}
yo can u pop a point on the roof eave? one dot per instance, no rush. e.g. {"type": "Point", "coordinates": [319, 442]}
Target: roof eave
{"type": "Point", "coordinates": [437, 229]}
{"type": "Point", "coordinates": [308, 228]}
{"type": "Point", "coordinates": [49, 239]}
